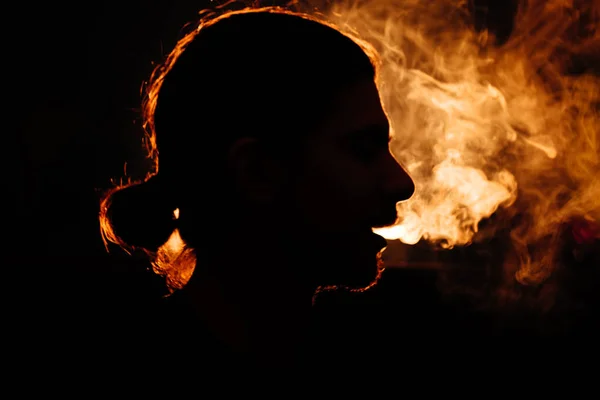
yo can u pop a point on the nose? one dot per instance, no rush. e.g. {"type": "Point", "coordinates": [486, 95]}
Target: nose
{"type": "Point", "coordinates": [398, 184]}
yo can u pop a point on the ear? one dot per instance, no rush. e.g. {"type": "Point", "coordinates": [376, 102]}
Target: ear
{"type": "Point", "coordinates": [257, 175]}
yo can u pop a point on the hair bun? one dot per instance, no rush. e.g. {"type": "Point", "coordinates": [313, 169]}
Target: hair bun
{"type": "Point", "coordinates": [141, 215]}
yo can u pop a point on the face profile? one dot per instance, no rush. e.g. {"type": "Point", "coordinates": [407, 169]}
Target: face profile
{"type": "Point", "coordinates": [273, 145]}
{"type": "Point", "coordinates": [354, 182]}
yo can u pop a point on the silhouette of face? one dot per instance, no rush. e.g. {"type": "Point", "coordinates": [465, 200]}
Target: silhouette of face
{"type": "Point", "coordinates": [348, 181]}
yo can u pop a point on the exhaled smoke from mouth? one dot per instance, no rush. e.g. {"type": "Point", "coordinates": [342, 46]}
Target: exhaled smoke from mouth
{"type": "Point", "coordinates": [483, 126]}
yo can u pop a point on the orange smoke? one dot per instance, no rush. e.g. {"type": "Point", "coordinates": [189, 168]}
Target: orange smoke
{"type": "Point", "coordinates": [484, 126]}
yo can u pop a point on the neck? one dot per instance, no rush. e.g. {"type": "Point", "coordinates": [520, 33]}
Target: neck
{"type": "Point", "coordinates": [254, 285]}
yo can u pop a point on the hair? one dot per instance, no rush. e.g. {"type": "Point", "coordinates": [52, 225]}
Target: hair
{"type": "Point", "coordinates": [266, 73]}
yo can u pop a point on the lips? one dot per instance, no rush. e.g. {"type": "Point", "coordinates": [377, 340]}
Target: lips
{"type": "Point", "coordinates": [386, 215]}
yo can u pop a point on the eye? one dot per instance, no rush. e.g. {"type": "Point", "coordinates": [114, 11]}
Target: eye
{"type": "Point", "coordinates": [367, 144]}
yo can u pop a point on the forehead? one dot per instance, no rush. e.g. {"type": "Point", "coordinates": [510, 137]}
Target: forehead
{"type": "Point", "coordinates": [356, 107]}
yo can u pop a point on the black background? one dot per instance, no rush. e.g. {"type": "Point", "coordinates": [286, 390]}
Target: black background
{"type": "Point", "coordinates": [73, 89]}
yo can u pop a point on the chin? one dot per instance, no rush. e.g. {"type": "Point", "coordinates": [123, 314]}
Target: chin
{"type": "Point", "coordinates": [362, 279]}
{"type": "Point", "coordinates": [356, 266]}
